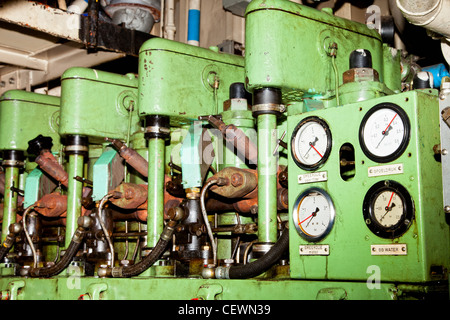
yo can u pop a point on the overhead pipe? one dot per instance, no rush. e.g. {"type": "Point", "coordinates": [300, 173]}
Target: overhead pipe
{"type": "Point", "coordinates": [430, 14]}
{"type": "Point", "coordinates": [170, 27]}
{"type": "Point", "coordinates": [193, 37]}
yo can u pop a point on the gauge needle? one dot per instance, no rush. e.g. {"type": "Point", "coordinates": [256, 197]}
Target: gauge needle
{"type": "Point", "coordinates": [387, 208]}
{"type": "Point", "coordinates": [385, 130]}
{"type": "Point", "coordinates": [316, 150]}
{"type": "Point", "coordinates": [312, 144]}
{"type": "Point", "coordinates": [312, 215]}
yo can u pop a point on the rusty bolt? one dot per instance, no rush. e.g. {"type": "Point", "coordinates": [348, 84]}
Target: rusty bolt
{"type": "Point", "coordinates": [237, 180]}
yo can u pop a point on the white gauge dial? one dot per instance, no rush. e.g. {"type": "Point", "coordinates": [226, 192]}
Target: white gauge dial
{"type": "Point", "coordinates": [388, 208]}
{"type": "Point", "coordinates": [311, 143]}
{"type": "Point", "coordinates": [384, 133]}
{"type": "Point", "coordinates": [313, 214]}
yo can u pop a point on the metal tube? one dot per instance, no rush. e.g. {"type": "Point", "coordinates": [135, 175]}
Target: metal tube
{"type": "Point", "coordinates": [155, 207]}
{"type": "Point", "coordinates": [267, 178]}
{"type": "Point", "coordinates": [10, 199]}
{"type": "Point", "coordinates": [74, 195]}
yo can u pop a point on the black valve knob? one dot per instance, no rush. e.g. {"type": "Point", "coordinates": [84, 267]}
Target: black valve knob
{"type": "Point", "coordinates": [38, 144]}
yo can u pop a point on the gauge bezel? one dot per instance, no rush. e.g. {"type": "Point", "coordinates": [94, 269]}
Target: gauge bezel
{"type": "Point", "coordinates": [295, 216]}
{"type": "Point", "coordinates": [318, 164]}
{"type": "Point", "coordinates": [372, 222]}
{"type": "Point", "coordinates": [406, 133]}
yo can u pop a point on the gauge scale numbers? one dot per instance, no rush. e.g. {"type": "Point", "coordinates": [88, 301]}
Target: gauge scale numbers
{"type": "Point", "coordinates": [313, 214]}
{"type": "Point", "coordinates": [388, 208]}
{"type": "Point", "coordinates": [384, 132]}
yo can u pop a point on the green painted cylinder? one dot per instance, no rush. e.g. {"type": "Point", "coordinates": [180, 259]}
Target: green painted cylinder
{"type": "Point", "coordinates": [267, 178]}
{"type": "Point", "coordinates": [155, 207]}
{"type": "Point", "coordinates": [10, 199]}
{"type": "Point", "coordinates": [74, 194]}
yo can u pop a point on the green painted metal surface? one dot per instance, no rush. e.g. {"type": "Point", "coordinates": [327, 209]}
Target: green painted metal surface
{"type": "Point", "coordinates": [267, 178]}
{"type": "Point", "coordinates": [350, 256]}
{"type": "Point", "coordinates": [10, 199]}
{"type": "Point", "coordinates": [155, 207]}
{"type": "Point", "coordinates": [74, 192]}
{"type": "Point", "coordinates": [73, 288]}
{"type": "Point", "coordinates": [191, 157]}
{"type": "Point", "coordinates": [107, 174]}
{"type": "Point", "coordinates": [25, 115]}
{"type": "Point", "coordinates": [292, 51]}
{"type": "Point", "coordinates": [97, 104]}
{"type": "Point", "coordinates": [183, 81]}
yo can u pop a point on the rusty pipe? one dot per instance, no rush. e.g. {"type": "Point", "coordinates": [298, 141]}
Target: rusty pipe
{"type": "Point", "coordinates": [236, 137]}
{"type": "Point", "coordinates": [131, 156]}
{"type": "Point", "coordinates": [48, 163]}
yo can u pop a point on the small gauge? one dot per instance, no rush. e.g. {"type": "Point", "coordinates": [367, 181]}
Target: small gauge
{"type": "Point", "coordinates": [388, 209]}
{"type": "Point", "coordinates": [311, 143]}
{"type": "Point", "coordinates": [384, 132]}
{"type": "Point", "coordinates": [313, 214]}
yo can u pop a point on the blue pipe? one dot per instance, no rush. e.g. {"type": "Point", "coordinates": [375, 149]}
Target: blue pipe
{"type": "Point", "coordinates": [438, 71]}
{"type": "Point", "coordinates": [194, 26]}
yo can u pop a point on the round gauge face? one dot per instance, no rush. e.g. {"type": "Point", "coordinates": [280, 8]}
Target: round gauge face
{"type": "Point", "coordinates": [384, 132]}
{"type": "Point", "coordinates": [313, 214]}
{"type": "Point", "coordinates": [311, 143]}
{"type": "Point", "coordinates": [388, 209]}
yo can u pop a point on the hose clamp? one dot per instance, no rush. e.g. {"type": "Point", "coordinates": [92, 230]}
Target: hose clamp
{"type": "Point", "coordinates": [268, 108]}
{"type": "Point", "coordinates": [13, 163]}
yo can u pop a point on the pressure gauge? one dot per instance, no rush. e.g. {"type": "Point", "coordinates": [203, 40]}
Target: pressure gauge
{"type": "Point", "coordinates": [313, 214]}
{"type": "Point", "coordinates": [384, 132]}
{"type": "Point", "coordinates": [311, 143]}
{"type": "Point", "coordinates": [388, 209]}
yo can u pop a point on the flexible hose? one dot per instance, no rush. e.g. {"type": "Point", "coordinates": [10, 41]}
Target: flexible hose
{"type": "Point", "coordinates": [60, 266]}
{"type": "Point", "coordinates": [147, 262]}
{"type": "Point", "coordinates": [257, 267]}
{"type": "Point", "coordinates": [84, 222]}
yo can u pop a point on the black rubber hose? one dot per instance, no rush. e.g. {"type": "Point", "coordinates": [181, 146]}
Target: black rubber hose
{"type": "Point", "coordinates": [60, 266]}
{"type": "Point", "coordinates": [147, 262]}
{"type": "Point", "coordinates": [257, 267]}
{"type": "Point", "coordinates": [84, 222]}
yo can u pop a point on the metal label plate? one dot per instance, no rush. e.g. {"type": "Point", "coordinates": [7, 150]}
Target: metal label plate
{"type": "Point", "coordinates": [312, 177]}
{"type": "Point", "coordinates": [389, 249]}
{"type": "Point", "coordinates": [385, 170]}
{"type": "Point", "coordinates": [314, 250]}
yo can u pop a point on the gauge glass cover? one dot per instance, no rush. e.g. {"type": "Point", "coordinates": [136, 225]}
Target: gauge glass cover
{"type": "Point", "coordinates": [384, 132]}
{"type": "Point", "coordinates": [388, 209]}
{"type": "Point", "coordinates": [311, 143]}
{"type": "Point", "coordinates": [313, 214]}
